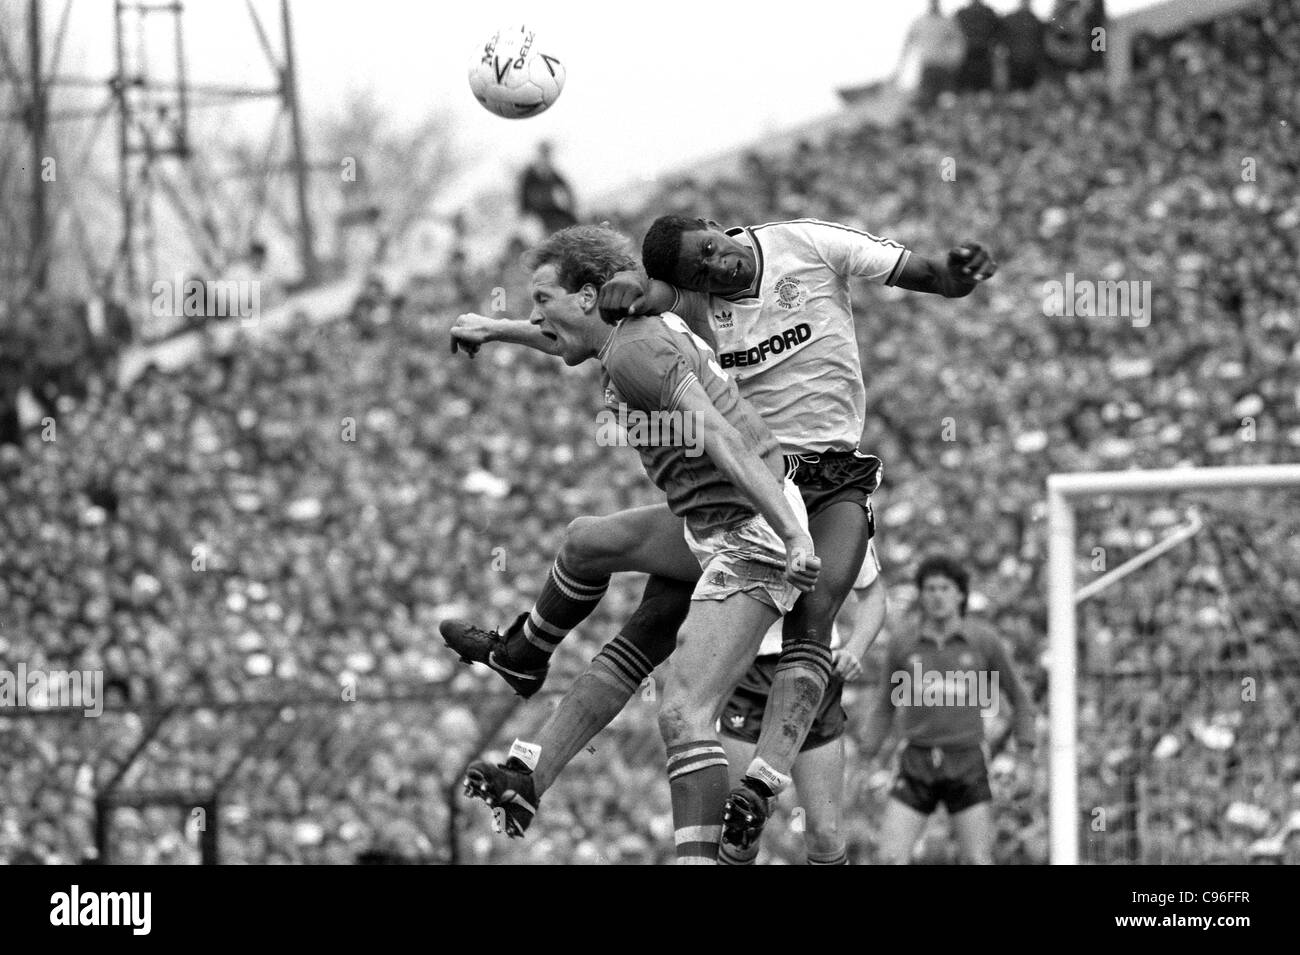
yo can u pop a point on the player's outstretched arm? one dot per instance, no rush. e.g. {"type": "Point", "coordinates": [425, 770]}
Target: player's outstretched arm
{"type": "Point", "coordinates": [470, 332]}
{"type": "Point", "coordinates": [727, 449]}
{"type": "Point", "coordinates": [967, 266]}
{"type": "Point", "coordinates": [632, 293]}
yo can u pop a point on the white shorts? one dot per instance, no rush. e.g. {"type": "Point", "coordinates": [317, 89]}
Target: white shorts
{"type": "Point", "coordinates": [747, 558]}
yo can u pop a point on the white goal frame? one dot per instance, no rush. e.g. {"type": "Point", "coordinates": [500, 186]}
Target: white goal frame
{"type": "Point", "coordinates": [1062, 491]}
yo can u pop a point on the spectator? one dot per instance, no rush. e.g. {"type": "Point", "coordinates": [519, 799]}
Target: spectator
{"type": "Point", "coordinates": [979, 27]}
{"type": "Point", "coordinates": [932, 55]}
{"type": "Point", "coordinates": [1022, 36]}
{"type": "Point", "coordinates": [544, 193]}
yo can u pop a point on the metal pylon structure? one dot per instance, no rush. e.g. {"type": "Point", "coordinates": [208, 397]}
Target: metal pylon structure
{"type": "Point", "coordinates": [162, 166]}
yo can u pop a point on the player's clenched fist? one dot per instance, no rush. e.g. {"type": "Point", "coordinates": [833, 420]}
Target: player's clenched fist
{"type": "Point", "coordinates": [622, 295]}
{"type": "Point", "coordinates": [971, 262]}
{"type": "Point", "coordinates": [802, 565]}
{"type": "Point", "coordinates": [470, 331]}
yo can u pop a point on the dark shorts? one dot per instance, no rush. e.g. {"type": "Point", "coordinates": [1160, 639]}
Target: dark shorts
{"type": "Point", "coordinates": [833, 476]}
{"type": "Point", "coordinates": [955, 776]}
{"type": "Point", "coordinates": [742, 717]}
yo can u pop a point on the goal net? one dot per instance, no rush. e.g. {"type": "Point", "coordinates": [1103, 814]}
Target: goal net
{"type": "Point", "coordinates": [1174, 660]}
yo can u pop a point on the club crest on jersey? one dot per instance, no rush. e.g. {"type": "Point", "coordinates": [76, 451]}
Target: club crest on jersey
{"type": "Point", "coordinates": [611, 397]}
{"type": "Point", "coordinates": [790, 293]}
{"type": "Point", "coordinates": [724, 319]}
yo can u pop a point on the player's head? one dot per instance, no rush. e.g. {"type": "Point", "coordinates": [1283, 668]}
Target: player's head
{"type": "Point", "coordinates": [569, 269]}
{"type": "Point", "coordinates": [697, 255]}
{"type": "Point", "coordinates": [944, 586]}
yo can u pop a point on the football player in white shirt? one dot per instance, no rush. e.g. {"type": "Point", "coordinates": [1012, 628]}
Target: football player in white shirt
{"type": "Point", "coordinates": [775, 301]}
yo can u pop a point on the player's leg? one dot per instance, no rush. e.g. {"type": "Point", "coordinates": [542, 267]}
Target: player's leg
{"type": "Point", "coordinates": [614, 675]}
{"type": "Point", "coordinates": [899, 829]}
{"type": "Point", "coordinates": [648, 539]}
{"type": "Point", "coordinates": [840, 534]}
{"type": "Point", "coordinates": [969, 801]}
{"type": "Point", "coordinates": [973, 827]}
{"type": "Point", "coordinates": [717, 643]}
{"type": "Point", "coordinates": [740, 753]}
{"type": "Point", "coordinates": [591, 704]}
{"type": "Point", "coordinates": [819, 783]}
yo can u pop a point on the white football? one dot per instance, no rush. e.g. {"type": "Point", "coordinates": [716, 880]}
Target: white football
{"type": "Point", "coordinates": [513, 77]}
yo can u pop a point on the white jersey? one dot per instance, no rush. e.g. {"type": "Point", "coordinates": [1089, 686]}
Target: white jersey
{"type": "Point", "coordinates": [790, 338]}
{"type": "Point", "coordinates": [867, 575]}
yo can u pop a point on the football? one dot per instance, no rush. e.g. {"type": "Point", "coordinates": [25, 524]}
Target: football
{"type": "Point", "coordinates": [513, 77]}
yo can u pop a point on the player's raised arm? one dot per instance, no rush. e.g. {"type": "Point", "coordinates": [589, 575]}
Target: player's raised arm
{"type": "Point", "coordinates": [728, 450]}
{"type": "Point", "coordinates": [471, 331]}
{"type": "Point", "coordinates": [967, 266]}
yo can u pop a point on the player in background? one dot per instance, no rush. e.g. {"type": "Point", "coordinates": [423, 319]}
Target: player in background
{"type": "Point", "coordinates": [775, 299]}
{"type": "Point", "coordinates": [819, 768]}
{"type": "Point", "coordinates": [935, 673]}
{"type": "Point", "coordinates": [724, 476]}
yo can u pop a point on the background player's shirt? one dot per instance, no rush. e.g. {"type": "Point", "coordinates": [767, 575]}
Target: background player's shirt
{"type": "Point", "coordinates": [870, 570]}
{"type": "Point", "coordinates": [974, 648]}
{"type": "Point", "coordinates": [790, 338]}
{"type": "Point", "coordinates": [648, 362]}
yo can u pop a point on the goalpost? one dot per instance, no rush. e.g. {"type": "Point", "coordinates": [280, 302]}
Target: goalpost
{"type": "Point", "coordinates": [1063, 490]}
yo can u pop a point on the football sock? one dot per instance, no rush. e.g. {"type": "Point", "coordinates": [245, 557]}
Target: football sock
{"type": "Point", "coordinates": [616, 673]}
{"type": "Point", "coordinates": [565, 601]}
{"type": "Point", "coordinates": [697, 781]}
{"type": "Point", "coordinates": [802, 673]}
{"type": "Point", "coordinates": [838, 856]}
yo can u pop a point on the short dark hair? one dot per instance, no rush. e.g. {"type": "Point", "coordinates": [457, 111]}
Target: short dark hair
{"type": "Point", "coordinates": [937, 565]}
{"type": "Point", "coordinates": [583, 255]}
{"type": "Point", "coordinates": [661, 249]}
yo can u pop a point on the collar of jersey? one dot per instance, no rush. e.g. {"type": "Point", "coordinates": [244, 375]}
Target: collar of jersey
{"type": "Point", "coordinates": [752, 291]}
{"type": "Point", "coordinates": [604, 349]}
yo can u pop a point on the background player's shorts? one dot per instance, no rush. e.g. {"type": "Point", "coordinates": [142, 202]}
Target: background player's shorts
{"type": "Point", "coordinates": [742, 718]}
{"type": "Point", "coordinates": [956, 776]}
{"type": "Point", "coordinates": [833, 476]}
{"type": "Point", "coordinates": [747, 558]}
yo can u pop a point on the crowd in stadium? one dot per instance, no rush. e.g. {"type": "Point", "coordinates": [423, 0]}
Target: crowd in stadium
{"type": "Point", "coordinates": [289, 521]}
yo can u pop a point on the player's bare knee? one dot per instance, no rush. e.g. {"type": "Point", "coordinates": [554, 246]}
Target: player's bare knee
{"type": "Point", "coordinates": [824, 838]}
{"type": "Point", "coordinates": [587, 543]}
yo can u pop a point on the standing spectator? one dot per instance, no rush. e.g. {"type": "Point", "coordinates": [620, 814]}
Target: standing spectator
{"type": "Point", "coordinates": [544, 193]}
{"type": "Point", "coordinates": [932, 55]}
{"type": "Point", "coordinates": [1022, 36]}
{"type": "Point", "coordinates": [1069, 40]}
{"type": "Point", "coordinates": [979, 25]}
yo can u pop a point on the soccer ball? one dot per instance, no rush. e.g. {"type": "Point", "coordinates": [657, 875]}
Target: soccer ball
{"type": "Point", "coordinates": [512, 77]}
